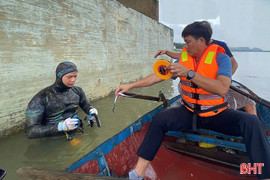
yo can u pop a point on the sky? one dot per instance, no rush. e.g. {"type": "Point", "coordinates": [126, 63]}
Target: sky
{"type": "Point", "coordinates": [240, 23]}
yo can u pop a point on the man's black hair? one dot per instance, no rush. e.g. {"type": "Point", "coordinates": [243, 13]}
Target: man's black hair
{"type": "Point", "coordinates": [197, 30]}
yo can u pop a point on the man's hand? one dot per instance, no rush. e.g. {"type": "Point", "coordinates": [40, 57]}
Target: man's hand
{"type": "Point", "coordinates": [122, 89]}
{"type": "Point", "coordinates": [68, 125]}
{"type": "Point", "coordinates": [178, 70]}
{"type": "Point", "coordinates": [160, 52]}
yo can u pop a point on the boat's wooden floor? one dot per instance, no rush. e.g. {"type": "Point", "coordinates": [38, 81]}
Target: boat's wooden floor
{"type": "Point", "coordinates": [214, 155]}
{"type": "Point", "coordinates": [174, 161]}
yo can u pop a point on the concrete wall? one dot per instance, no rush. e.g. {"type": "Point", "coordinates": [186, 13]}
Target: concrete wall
{"type": "Point", "coordinates": [149, 8]}
{"type": "Point", "coordinates": [110, 44]}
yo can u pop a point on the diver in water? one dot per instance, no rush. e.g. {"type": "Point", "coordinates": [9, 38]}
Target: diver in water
{"type": "Point", "coordinates": [53, 110]}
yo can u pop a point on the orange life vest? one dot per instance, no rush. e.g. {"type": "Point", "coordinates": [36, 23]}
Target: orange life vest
{"type": "Point", "coordinates": [196, 99]}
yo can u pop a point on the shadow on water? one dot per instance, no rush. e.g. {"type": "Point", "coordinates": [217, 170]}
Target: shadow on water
{"type": "Point", "coordinates": [57, 153]}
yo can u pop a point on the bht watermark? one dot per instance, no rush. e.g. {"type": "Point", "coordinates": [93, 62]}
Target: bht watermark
{"type": "Point", "coordinates": [248, 168]}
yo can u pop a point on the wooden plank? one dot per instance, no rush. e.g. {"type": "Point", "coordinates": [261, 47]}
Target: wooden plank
{"type": "Point", "coordinates": [31, 173]}
{"type": "Point", "coordinates": [209, 154]}
{"type": "Point", "coordinates": [209, 140]}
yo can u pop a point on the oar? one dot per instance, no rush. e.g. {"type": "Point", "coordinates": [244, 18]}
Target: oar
{"type": "Point", "coordinates": [161, 97]}
{"type": "Point", "coordinates": [250, 95]}
{"type": "Point", "coordinates": [138, 96]}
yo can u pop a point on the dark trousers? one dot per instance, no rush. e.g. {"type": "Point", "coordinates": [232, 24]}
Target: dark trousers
{"type": "Point", "coordinates": [230, 122]}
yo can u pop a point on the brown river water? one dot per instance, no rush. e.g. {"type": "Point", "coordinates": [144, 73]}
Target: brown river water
{"type": "Point", "coordinates": [57, 153]}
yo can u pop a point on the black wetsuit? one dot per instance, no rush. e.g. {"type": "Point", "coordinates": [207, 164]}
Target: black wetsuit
{"type": "Point", "coordinates": [54, 104]}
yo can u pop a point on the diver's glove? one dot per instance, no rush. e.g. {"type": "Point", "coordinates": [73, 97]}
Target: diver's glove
{"type": "Point", "coordinates": [69, 124]}
{"type": "Point", "coordinates": [93, 111]}
{"type": "Point", "coordinates": [93, 115]}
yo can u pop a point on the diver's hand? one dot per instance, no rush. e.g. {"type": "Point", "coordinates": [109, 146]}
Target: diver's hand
{"type": "Point", "coordinates": [68, 125]}
{"type": "Point", "coordinates": [93, 111]}
{"type": "Point", "coordinates": [160, 52]}
{"type": "Point", "coordinates": [122, 89]}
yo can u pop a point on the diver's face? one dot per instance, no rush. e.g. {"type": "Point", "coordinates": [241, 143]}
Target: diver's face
{"type": "Point", "coordinates": [70, 79]}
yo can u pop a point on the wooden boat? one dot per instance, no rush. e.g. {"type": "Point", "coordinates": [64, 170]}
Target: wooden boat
{"type": "Point", "coordinates": [179, 156]}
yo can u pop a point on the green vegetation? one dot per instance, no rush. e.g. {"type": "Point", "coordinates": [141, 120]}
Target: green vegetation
{"type": "Point", "coordinates": [178, 45]}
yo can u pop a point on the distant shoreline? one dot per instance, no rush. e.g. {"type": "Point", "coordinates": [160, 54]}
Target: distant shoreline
{"type": "Point", "coordinates": [179, 46]}
{"type": "Point", "coordinates": [248, 51]}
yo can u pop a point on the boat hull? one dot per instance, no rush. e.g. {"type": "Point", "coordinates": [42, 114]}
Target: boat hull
{"type": "Point", "coordinates": [119, 154]}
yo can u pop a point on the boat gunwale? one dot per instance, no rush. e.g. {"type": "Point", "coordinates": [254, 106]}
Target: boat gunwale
{"type": "Point", "coordinates": [106, 147]}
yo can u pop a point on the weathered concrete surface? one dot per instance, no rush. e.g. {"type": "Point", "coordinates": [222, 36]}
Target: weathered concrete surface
{"type": "Point", "coordinates": [110, 44]}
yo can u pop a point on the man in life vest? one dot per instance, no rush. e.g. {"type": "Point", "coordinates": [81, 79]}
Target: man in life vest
{"type": "Point", "coordinates": [205, 74]}
{"type": "Point", "coordinates": [52, 111]}
{"type": "Point", "coordinates": [235, 99]}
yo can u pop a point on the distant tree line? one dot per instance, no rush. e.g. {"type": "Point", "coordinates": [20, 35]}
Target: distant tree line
{"type": "Point", "coordinates": [179, 45]}
{"type": "Point", "coordinates": [247, 49]}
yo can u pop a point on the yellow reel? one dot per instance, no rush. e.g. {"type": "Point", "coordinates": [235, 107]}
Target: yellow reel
{"type": "Point", "coordinates": [160, 69]}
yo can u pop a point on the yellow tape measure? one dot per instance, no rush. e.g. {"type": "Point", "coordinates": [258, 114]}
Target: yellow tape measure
{"type": "Point", "coordinates": [160, 68]}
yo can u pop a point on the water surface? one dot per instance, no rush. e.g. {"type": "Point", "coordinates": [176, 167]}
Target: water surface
{"type": "Point", "coordinates": [57, 153]}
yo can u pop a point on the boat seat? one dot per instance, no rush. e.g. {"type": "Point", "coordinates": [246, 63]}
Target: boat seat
{"type": "Point", "coordinates": [219, 139]}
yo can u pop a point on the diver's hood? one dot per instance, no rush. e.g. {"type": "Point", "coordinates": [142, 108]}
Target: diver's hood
{"type": "Point", "coordinates": [62, 69]}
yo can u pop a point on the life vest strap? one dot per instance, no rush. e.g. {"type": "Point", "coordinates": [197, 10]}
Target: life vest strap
{"type": "Point", "coordinates": [198, 108]}
{"type": "Point", "coordinates": [200, 96]}
{"type": "Point", "coordinates": [194, 121]}
{"type": "Point", "coordinates": [188, 83]}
